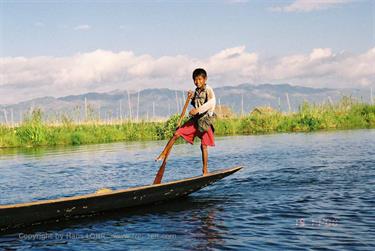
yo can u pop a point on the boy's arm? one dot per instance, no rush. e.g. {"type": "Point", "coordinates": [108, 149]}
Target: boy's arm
{"type": "Point", "coordinates": [211, 102]}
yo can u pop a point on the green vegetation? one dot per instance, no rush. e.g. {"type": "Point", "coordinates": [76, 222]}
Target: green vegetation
{"type": "Point", "coordinates": [345, 115]}
{"type": "Point", "coordinates": [348, 114]}
{"type": "Point", "coordinates": [34, 132]}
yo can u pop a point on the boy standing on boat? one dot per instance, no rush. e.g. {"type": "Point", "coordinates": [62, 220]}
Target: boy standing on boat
{"type": "Point", "coordinates": [202, 116]}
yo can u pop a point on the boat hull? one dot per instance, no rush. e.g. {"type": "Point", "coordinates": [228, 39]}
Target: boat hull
{"type": "Point", "coordinates": [17, 215]}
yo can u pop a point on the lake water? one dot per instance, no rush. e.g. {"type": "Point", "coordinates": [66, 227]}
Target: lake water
{"type": "Point", "coordinates": [296, 192]}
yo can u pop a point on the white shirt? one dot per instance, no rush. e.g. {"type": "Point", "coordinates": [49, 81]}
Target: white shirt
{"type": "Point", "coordinates": [209, 106]}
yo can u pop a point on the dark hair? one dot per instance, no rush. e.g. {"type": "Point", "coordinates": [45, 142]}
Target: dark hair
{"type": "Point", "coordinates": [199, 72]}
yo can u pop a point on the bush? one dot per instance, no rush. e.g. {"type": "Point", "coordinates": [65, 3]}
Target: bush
{"type": "Point", "coordinates": [32, 132]}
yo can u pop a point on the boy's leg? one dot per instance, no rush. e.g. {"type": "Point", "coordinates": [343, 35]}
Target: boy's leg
{"type": "Point", "coordinates": [204, 159]}
{"type": "Point", "coordinates": [168, 147]}
{"type": "Point", "coordinates": [187, 131]}
{"type": "Point", "coordinates": [207, 140]}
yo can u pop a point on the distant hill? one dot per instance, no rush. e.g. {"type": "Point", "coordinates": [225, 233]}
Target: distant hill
{"type": "Point", "coordinates": [161, 103]}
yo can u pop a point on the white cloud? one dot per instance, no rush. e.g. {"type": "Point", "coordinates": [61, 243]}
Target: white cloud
{"type": "Point", "coordinates": [82, 27]}
{"type": "Point", "coordinates": [308, 5]}
{"type": "Point", "coordinates": [320, 53]}
{"type": "Point", "coordinates": [23, 78]}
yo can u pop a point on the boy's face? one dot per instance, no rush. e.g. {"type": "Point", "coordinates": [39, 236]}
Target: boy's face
{"type": "Point", "coordinates": [200, 81]}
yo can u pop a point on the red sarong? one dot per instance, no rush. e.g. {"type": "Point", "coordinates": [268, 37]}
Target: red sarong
{"type": "Point", "coordinates": [189, 131]}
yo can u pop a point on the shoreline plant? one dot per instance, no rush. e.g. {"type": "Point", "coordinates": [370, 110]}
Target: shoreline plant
{"type": "Point", "coordinates": [33, 131]}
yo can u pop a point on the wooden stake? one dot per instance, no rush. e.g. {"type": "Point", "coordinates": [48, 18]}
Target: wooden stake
{"type": "Point", "coordinates": [287, 100]}
{"type": "Point", "coordinates": [120, 110]}
{"type": "Point", "coordinates": [242, 105]}
{"type": "Point", "coordinates": [99, 113]}
{"type": "Point", "coordinates": [130, 106]}
{"type": "Point", "coordinates": [11, 117]}
{"type": "Point", "coordinates": [85, 109]}
{"type": "Point", "coordinates": [220, 110]}
{"type": "Point", "coordinates": [138, 106]}
{"type": "Point", "coordinates": [5, 116]}
{"type": "Point", "coordinates": [21, 118]}
{"type": "Point", "coordinates": [153, 110]}
{"type": "Point", "coordinates": [330, 100]}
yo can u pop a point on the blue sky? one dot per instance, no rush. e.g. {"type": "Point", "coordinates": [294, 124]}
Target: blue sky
{"type": "Point", "coordinates": [180, 27]}
{"type": "Point", "coordinates": [145, 38]}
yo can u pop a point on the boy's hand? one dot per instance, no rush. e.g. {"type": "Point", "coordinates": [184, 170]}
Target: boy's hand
{"type": "Point", "coordinates": [190, 94]}
{"type": "Point", "coordinates": [193, 112]}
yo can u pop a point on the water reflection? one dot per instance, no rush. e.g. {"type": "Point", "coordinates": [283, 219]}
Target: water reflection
{"type": "Point", "coordinates": [207, 231]}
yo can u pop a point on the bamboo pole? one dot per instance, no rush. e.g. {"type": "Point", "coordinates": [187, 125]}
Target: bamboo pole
{"type": "Point", "coordinates": [242, 105]}
{"type": "Point", "coordinates": [5, 116]}
{"type": "Point", "coordinates": [220, 110]}
{"type": "Point", "coordinates": [20, 118]}
{"type": "Point", "coordinates": [153, 110]}
{"type": "Point", "coordinates": [121, 110]}
{"type": "Point", "coordinates": [287, 100]}
{"type": "Point", "coordinates": [85, 109]}
{"type": "Point", "coordinates": [99, 112]}
{"type": "Point", "coordinates": [11, 117]}
{"type": "Point", "coordinates": [138, 106]}
{"type": "Point", "coordinates": [130, 107]}
{"type": "Point", "coordinates": [330, 100]}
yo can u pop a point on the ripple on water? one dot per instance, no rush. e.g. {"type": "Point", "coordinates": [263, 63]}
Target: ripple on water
{"type": "Point", "coordinates": [296, 192]}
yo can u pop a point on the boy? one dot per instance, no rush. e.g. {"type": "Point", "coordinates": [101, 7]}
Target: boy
{"type": "Point", "coordinates": [202, 116]}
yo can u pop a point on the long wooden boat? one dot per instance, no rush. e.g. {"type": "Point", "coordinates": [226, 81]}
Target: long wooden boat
{"type": "Point", "coordinates": [17, 215]}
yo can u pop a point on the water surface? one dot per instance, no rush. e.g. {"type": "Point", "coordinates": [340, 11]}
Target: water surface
{"type": "Point", "coordinates": [296, 192]}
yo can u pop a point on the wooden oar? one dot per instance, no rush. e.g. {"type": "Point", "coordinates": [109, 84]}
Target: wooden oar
{"type": "Point", "coordinates": [160, 173]}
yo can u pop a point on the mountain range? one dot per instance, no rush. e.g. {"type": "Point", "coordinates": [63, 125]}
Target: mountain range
{"type": "Point", "coordinates": [161, 103]}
